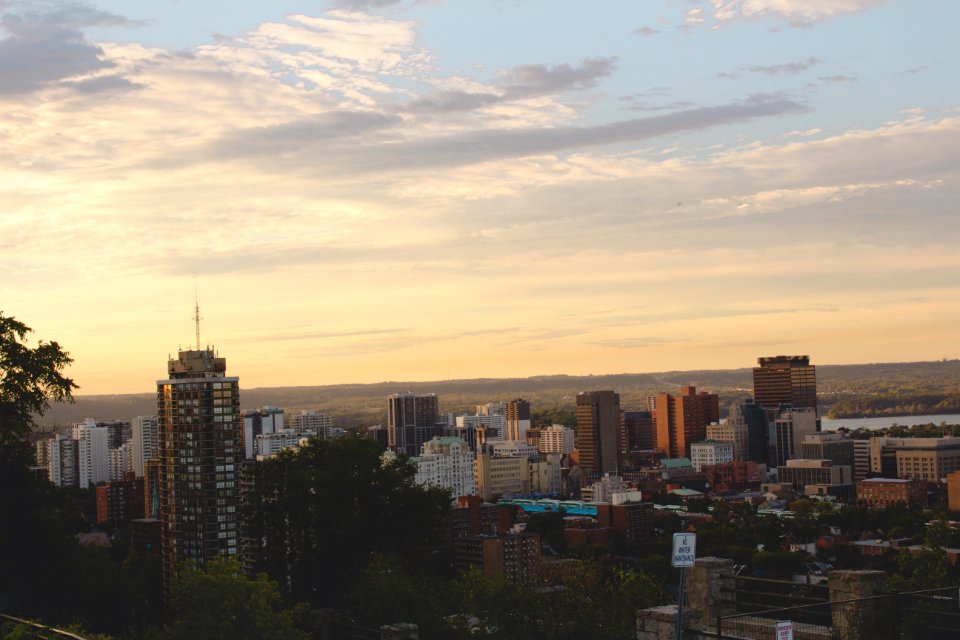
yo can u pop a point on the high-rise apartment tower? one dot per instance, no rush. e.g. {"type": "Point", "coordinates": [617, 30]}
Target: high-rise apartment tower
{"type": "Point", "coordinates": [411, 421]}
{"type": "Point", "coordinates": [198, 414]}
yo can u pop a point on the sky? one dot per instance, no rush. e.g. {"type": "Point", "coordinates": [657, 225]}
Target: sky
{"type": "Point", "coordinates": [374, 190]}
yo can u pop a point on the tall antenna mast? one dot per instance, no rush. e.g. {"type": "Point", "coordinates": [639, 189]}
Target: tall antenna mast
{"type": "Point", "coordinates": [196, 310]}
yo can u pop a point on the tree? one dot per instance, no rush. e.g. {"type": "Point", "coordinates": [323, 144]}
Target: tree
{"type": "Point", "coordinates": [37, 544]}
{"type": "Point", "coordinates": [316, 515]}
{"type": "Point", "coordinates": [29, 379]}
{"type": "Point", "coordinates": [220, 603]}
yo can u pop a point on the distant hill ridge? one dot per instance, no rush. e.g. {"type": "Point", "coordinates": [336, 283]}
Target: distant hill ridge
{"type": "Point", "coordinates": [364, 404]}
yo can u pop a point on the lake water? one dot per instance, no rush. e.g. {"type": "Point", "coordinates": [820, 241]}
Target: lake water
{"type": "Point", "coordinates": [879, 423]}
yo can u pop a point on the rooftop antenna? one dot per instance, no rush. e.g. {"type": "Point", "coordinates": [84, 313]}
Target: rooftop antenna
{"type": "Point", "coordinates": [196, 310]}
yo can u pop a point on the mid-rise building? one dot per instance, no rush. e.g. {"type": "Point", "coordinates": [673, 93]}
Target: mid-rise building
{"type": "Point", "coordinates": [59, 456]}
{"type": "Point", "coordinates": [601, 440]}
{"type": "Point", "coordinates": [502, 448]}
{"type": "Point", "coordinates": [545, 473]}
{"type": "Point", "coordinates": [889, 492]}
{"type": "Point", "coordinates": [145, 443]}
{"type": "Point", "coordinates": [512, 557]}
{"type": "Point", "coordinates": [198, 409]}
{"type": "Point", "coordinates": [739, 475]}
{"type": "Point", "coordinates": [120, 501]}
{"type": "Point", "coordinates": [257, 422]}
{"type": "Point", "coordinates": [785, 380]}
{"type": "Point", "coordinates": [267, 445]}
{"type": "Point", "coordinates": [501, 476]}
{"type": "Point", "coordinates": [120, 462]}
{"type": "Point", "coordinates": [682, 420]}
{"type": "Point", "coordinates": [517, 419]}
{"type": "Point", "coordinates": [493, 425]}
{"type": "Point", "coordinates": [735, 433]}
{"type": "Point", "coordinates": [710, 452]}
{"type": "Point", "coordinates": [631, 524]}
{"type": "Point", "coordinates": [411, 421]}
{"type": "Point", "coordinates": [447, 462]}
{"type": "Point", "coordinates": [557, 439]}
{"type": "Point", "coordinates": [312, 422]}
{"type": "Point", "coordinates": [953, 491]}
{"type": "Point", "coordinates": [801, 473]}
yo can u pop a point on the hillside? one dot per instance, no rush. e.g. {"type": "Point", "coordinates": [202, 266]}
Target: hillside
{"type": "Point", "coordinates": [862, 389]}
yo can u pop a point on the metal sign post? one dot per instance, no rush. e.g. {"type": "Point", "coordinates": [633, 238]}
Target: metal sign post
{"type": "Point", "coordinates": [684, 555]}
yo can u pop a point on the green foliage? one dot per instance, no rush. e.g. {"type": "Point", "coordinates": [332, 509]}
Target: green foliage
{"type": "Point", "coordinates": [591, 601]}
{"type": "Point", "coordinates": [220, 603]}
{"type": "Point", "coordinates": [318, 514]}
{"type": "Point", "coordinates": [29, 379]}
{"type": "Point", "coordinates": [549, 416]}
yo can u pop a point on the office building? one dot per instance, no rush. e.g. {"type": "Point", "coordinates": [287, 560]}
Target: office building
{"type": "Point", "coordinates": [753, 418]}
{"type": "Point", "coordinates": [832, 446]}
{"type": "Point", "coordinates": [788, 432]}
{"type": "Point", "coordinates": [861, 459]}
{"type": "Point", "coordinates": [785, 380]}
{"type": "Point", "coordinates": [680, 421]}
{"type": "Point", "coordinates": [144, 441]}
{"type": "Point", "coordinates": [601, 441]}
{"type": "Point", "coordinates": [411, 421]}
{"type": "Point", "coordinates": [639, 428]}
{"type": "Point", "coordinates": [517, 419]}
{"type": "Point", "coordinates": [267, 445]}
{"type": "Point", "coordinates": [447, 462]}
{"type": "Point", "coordinates": [198, 410]}
{"type": "Point", "coordinates": [119, 433]}
{"type": "Point", "coordinates": [710, 452]}
{"type": "Point", "coordinates": [929, 459]}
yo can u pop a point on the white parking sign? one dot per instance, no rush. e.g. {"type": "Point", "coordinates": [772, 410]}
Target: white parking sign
{"type": "Point", "coordinates": [684, 549]}
{"type": "Point", "coordinates": [785, 630]}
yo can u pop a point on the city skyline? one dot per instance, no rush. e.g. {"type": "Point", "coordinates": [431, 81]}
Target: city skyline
{"type": "Point", "coordinates": [375, 190]}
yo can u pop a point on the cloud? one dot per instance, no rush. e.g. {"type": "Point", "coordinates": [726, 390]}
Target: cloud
{"type": "Point", "coordinates": [646, 31]}
{"type": "Point", "coordinates": [328, 151]}
{"type": "Point", "coordinates": [39, 52]}
{"type": "Point", "coordinates": [802, 14]}
{"type": "Point", "coordinates": [837, 78]}
{"type": "Point", "coordinates": [104, 83]}
{"type": "Point", "coordinates": [518, 83]}
{"type": "Point", "coordinates": [788, 68]}
{"type": "Point", "coordinates": [538, 79]}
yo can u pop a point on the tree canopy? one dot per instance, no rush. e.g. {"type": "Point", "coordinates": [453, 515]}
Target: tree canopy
{"type": "Point", "coordinates": [314, 516]}
{"type": "Point", "coordinates": [29, 379]}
